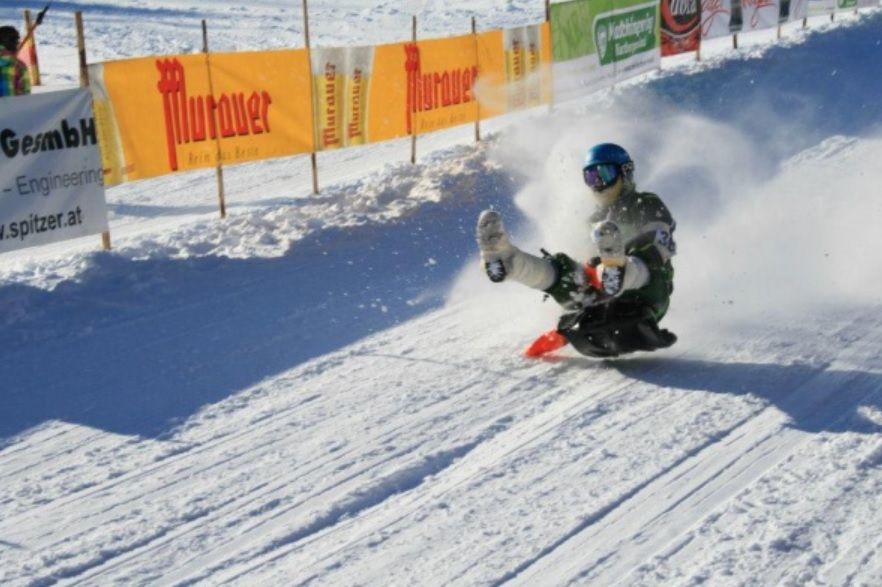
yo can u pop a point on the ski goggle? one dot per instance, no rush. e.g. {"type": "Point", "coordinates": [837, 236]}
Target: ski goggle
{"type": "Point", "coordinates": [601, 175]}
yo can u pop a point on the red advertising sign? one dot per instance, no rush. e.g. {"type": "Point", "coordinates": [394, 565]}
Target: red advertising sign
{"type": "Point", "coordinates": [680, 26]}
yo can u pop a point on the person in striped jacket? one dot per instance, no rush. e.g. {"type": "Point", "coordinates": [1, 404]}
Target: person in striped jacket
{"type": "Point", "coordinates": [14, 77]}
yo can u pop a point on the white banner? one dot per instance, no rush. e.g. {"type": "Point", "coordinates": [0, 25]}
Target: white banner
{"type": "Point", "coordinates": [720, 18]}
{"type": "Point", "coordinates": [817, 7]}
{"type": "Point", "coordinates": [760, 14]}
{"type": "Point", "coordinates": [51, 180]}
{"type": "Point", "coordinates": [794, 10]}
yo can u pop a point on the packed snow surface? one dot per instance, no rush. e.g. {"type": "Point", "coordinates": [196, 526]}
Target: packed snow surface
{"type": "Point", "coordinates": [326, 390]}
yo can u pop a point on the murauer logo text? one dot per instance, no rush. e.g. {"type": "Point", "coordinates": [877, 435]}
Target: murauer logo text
{"type": "Point", "coordinates": [431, 91]}
{"type": "Point", "coordinates": [194, 119]}
{"type": "Point", "coordinates": [66, 137]}
{"type": "Point", "coordinates": [330, 134]}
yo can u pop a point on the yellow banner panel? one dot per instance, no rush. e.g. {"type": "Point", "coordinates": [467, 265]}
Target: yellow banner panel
{"type": "Point", "coordinates": [387, 97]}
{"type": "Point", "coordinates": [515, 67]}
{"type": "Point", "coordinates": [422, 87]}
{"type": "Point", "coordinates": [341, 81]}
{"type": "Point", "coordinates": [492, 90]}
{"type": "Point", "coordinates": [160, 115]}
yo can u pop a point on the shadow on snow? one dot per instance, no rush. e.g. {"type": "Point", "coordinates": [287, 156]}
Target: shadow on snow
{"type": "Point", "coordinates": [815, 398]}
{"type": "Point", "coordinates": [136, 347]}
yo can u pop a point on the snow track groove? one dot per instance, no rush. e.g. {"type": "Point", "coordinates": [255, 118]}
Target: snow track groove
{"type": "Point", "coordinates": [657, 518]}
{"type": "Point", "coordinates": [523, 432]}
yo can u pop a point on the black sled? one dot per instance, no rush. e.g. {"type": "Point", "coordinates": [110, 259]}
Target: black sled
{"type": "Point", "coordinates": [614, 329]}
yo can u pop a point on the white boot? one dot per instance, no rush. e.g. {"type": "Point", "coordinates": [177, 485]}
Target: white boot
{"type": "Point", "coordinates": [502, 260]}
{"type": "Point", "coordinates": [618, 272]}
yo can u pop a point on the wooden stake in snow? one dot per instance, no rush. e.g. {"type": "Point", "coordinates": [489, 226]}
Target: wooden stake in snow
{"type": "Point", "coordinates": [550, 77]}
{"type": "Point", "coordinates": [477, 62]}
{"type": "Point", "coordinates": [313, 158]}
{"type": "Point", "coordinates": [413, 131]}
{"type": "Point", "coordinates": [30, 27]}
{"type": "Point", "coordinates": [84, 83]}
{"type": "Point", "coordinates": [221, 192]}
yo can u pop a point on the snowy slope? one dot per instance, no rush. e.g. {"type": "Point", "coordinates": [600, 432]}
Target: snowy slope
{"type": "Point", "coordinates": [325, 390]}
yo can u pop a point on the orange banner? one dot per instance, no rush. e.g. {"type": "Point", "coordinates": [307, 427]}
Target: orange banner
{"type": "Point", "coordinates": [422, 87]}
{"type": "Point", "coordinates": [515, 66]}
{"type": "Point", "coordinates": [372, 94]}
{"type": "Point", "coordinates": [341, 82]}
{"type": "Point", "coordinates": [160, 115]}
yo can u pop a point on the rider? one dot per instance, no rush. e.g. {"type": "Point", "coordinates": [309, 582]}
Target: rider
{"type": "Point", "coordinates": [615, 301]}
{"type": "Point", "coordinates": [14, 77]}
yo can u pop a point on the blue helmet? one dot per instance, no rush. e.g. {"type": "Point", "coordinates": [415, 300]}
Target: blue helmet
{"type": "Point", "coordinates": [607, 153]}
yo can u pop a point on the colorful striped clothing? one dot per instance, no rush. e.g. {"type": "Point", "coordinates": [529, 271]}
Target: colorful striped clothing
{"type": "Point", "coordinates": [14, 77]}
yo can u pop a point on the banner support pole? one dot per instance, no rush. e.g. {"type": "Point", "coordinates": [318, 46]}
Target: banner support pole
{"type": "Point", "coordinates": [313, 158]}
{"type": "Point", "coordinates": [84, 83]}
{"type": "Point", "coordinates": [805, 22]}
{"type": "Point", "coordinates": [221, 192]}
{"type": "Point", "coordinates": [28, 24]}
{"type": "Point", "coordinates": [413, 133]}
{"type": "Point", "coordinates": [735, 41]}
{"type": "Point", "coordinates": [478, 64]}
{"type": "Point", "coordinates": [551, 67]}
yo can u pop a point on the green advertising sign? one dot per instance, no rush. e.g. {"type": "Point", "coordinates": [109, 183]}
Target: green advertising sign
{"type": "Point", "coordinates": [846, 4]}
{"type": "Point", "coordinates": [614, 30]}
{"type": "Point", "coordinates": [625, 33]}
{"type": "Point", "coordinates": [571, 35]}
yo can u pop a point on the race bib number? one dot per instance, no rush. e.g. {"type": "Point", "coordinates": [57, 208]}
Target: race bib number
{"type": "Point", "coordinates": [664, 240]}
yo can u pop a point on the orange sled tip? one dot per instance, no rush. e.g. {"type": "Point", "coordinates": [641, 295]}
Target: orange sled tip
{"type": "Point", "coordinates": [548, 342]}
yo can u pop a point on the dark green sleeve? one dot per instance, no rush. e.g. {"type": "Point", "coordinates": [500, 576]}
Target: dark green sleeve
{"type": "Point", "coordinates": [569, 284]}
{"type": "Point", "coordinates": [652, 209]}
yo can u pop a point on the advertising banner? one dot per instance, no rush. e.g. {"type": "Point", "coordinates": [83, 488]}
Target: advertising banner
{"type": "Point", "coordinates": [159, 115]}
{"type": "Point", "coordinates": [600, 42]}
{"type": "Point", "coordinates": [51, 180]}
{"type": "Point", "coordinates": [680, 26]}
{"type": "Point", "coordinates": [440, 87]}
{"type": "Point", "coordinates": [342, 79]}
{"type": "Point", "coordinates": [524, 67]}
{"type": "Point", "coordinates": [422, 87]}
{"type": "Point", "coordinates": [792, 10]}
{"type": "Point", "coordinates": [818, 7]}
{"type": "Point", "coordinates": [720, 18]}
{"type": "Point", "coordinates": [372, 94]}
{"type": "Point", "coordinates": [760, 14]}
{"type": "Point", "coordinates": [515, 69]}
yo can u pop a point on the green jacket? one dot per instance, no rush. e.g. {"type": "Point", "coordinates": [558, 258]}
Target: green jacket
{"type": "Point", "coordinates": [14, 77]}
{"type": "Point", "coordinates": [647, 228]}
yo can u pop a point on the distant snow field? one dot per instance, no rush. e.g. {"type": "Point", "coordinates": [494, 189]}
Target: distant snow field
{"type": "Point", "coordinates": [326, 390]}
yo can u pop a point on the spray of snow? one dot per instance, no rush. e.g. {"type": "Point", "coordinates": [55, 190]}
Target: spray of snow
{"type": "Point", "coordinates": [758, 238]}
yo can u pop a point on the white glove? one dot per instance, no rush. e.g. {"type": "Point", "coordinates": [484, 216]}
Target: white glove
{"type": "Point", "coordinates": [494, 245]}
{"type": "Point", "coordinates": [617, 278]}
{"type": "Point", "coordinates": [607, 238]}
{"type": "Point", "coordinates": [503, 260]}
